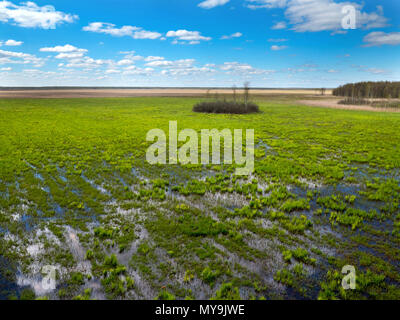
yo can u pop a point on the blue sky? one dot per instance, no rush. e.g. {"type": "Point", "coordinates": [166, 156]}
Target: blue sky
{"type": "Point", "coordinates": [271, 43]}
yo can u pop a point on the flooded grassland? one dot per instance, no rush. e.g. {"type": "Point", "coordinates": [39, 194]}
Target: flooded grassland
{"type": "Point", "coordinates": [76, 193]}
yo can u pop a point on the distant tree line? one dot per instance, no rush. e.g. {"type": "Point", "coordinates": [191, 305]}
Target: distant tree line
{"type": "Point", "coordinates": [382, 89]}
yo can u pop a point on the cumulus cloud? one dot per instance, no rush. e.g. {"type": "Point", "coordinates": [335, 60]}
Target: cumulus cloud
{"type": "Point", "coordinates": [182, 63]}
{"type": "Point", "coordinates": [86, 63]}
{"type": "Point", "coordinates": [233, 35]}
{"type": "Point", "coordinates": [129, 57]}
{"type": "Point", "coordinates": [112, 71]}
{"type": "Point", "coordinates": [371, 70]}
{"type": "Point", "coordinates": [130, 31]}
{"type": "Point", "coordinates": [30, 15]}
{"type": "Point", "coordinates": [125, 62]}
{"type": "Point", "coordinates": [279, 25]}
{"type": "Point", "coordinates": [182, 67]}
{"type": "Point", "coordinates": [144, 34]}
{"type": "Point", "coordinates": [242, 69]}
{"type": "Point", "coordinates": [277, 48]}
{"type": "Point", "coordinates": [375, 70]}
{"type": "Point", "coordinates": [209, 4]}
{"type": "Point", "coordinates": [320, 15]}
{"type": "Point", "coordinates": [277, 40]}
{"type": "Point", "coordinates": [159, 63]}
{"type": "Point", "coordinates": [381, 38]}
{"type": "Point", "coordinates": [109, 28]}
{"type": "Point", "coordinates": [136, 71]}
{"type": "Point", "coordinates": [76, 57]}
{"type": "Point", "coordinates": [192, 37]}
{"type": "Point", "coordinates": [12, 57]}
{"type": "Point", "coordinates": [257, 4]}
{"type": "Point", "coordinates": [11, 43]}
{"type": "Point", "coordinates": [63, 49]}
{"type": "Point", "coordinates": [71, 55]}
{"type": "Point", "coordinates": [153, 58]}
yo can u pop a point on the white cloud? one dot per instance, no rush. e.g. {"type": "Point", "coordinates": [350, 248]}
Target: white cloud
{"type": "Point", "coordinates": [320, 15]}
{"type": "Point", "coordinates": [182, 63]}
{"type": "Point", "coordinates": [235, 66]}
{"type": "Point", "coordinates": [375, 70]}
{"type": "Point", "coordinates": [193, 37]}
{"type": "Point", "coordinates": [159, 63]}
{"type": "Point", "coordinates": [188, 71]}
{"type": "Point", "coordinates": [266, 4]}
{"type": "Point", "coordinates": [277, 48]}
{"type": "Point", "coordinates": [132, 52]}
{"type": "Point", "coordinates": [153, 58]}
{"type": "Point", "coordinates": [381, 38]}
{"type": "Point", "coordinates": [76, 57]}
{"type": "Point", "coordinates": [133, 70]}
{"type": "Point", "coordinates": [279, 25]}
{"type": "Point", "coordinates": [12, 57]}
{"type": "Point", "coordinates": [131, 56]}
{"type": "Point", "coordinates": [11, 43]}
{"type": "Point", "coordinates": [109, 28]}
{"type": "Point", "coordinates": [182, 67]}
{"type": "Point", "coordinates": [125, 62]}
{"type": "Point", "coordinates": [143, 34]}
{"type": "Point", "coordinates": [233, 35]}
{"type": "Point", "coordinates": [6, 69]}
{"type": "Point", "coordinates": [209, 4]}
{"type": "Point", "coordinates": [30, 15]}
{"type": "Point", "coordinates": [112, 71]}
{"type": "Point", "coordinates": [243, 69]}
{"type": "Point", "coordinates": [323, 15]}
{"type": "Point", "coordinates": [71, 55]}
{"type": "Point", "coordinates": [277, 40]}
{"type": "Point", "coordinates": [63, 49]}
{"type": "Point", "coordinates": [131, 31]}
{"type": "Point", "coordinates": [371, 70]}
{"type": "Point", "coordinates": [87, 63]}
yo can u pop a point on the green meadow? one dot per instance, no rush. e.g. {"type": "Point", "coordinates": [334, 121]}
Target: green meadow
{"type": "Point", "coordinates": [77, 193]}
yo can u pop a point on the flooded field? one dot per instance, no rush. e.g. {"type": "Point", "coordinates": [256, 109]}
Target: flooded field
{"type": "Point", "coordinates": [77, 194]}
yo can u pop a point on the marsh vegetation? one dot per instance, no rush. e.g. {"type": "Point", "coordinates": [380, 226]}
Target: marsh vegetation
{"type": "Point", "coordinates": [236, 104]}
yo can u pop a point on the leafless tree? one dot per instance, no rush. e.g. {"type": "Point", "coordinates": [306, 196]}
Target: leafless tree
{"type": "Point", "coordinates": [246, 95]}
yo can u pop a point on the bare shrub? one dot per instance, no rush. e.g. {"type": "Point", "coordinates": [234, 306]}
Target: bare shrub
{"type": "Point", "coordinates": [226, 107]}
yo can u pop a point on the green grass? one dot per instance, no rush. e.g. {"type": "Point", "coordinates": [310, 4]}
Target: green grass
{"type": "Point", "coordinates": [325, 193]}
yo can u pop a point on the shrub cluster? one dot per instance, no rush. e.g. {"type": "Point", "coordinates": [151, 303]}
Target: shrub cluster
{"type": "Point", "coordinates": [226, 107]}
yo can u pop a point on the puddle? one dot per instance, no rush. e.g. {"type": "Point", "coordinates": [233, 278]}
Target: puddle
{"type": "Point", "coordinates": [7, 286]}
